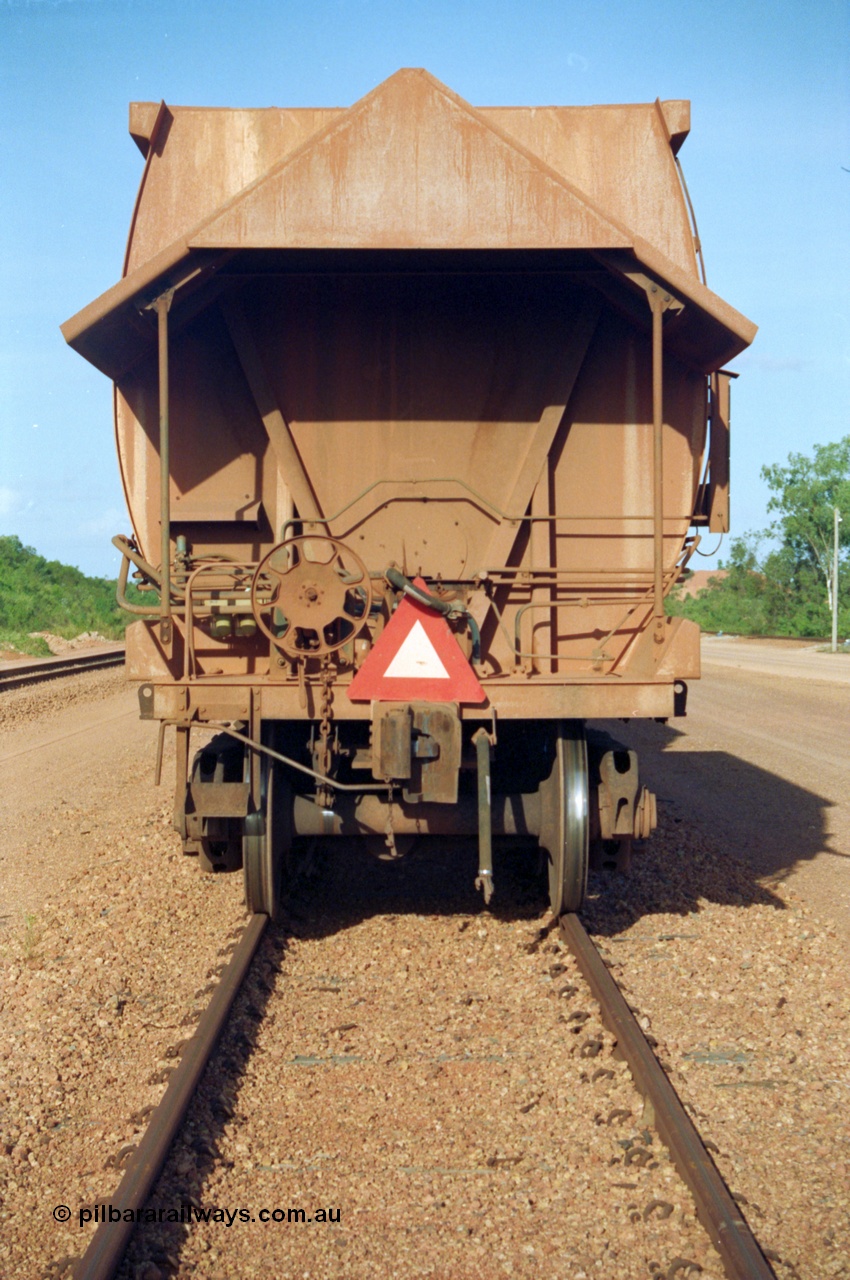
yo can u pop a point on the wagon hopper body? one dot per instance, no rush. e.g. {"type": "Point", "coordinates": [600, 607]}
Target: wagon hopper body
{"type": "Point", "coordinates": [412, 351]}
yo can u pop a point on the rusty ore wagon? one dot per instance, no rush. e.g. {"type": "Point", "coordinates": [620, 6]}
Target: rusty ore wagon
{"type": "Point", "coordinates": [419, 408]}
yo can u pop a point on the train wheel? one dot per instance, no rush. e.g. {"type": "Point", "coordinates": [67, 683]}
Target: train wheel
{"type": "Point", "coordinates": [565, 826]}
{"type": "Point", "coordinates": [266, 843]}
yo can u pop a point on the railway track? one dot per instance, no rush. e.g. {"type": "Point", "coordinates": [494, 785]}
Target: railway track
{"type": "Point", "coordinates": [56, 668]}
{"type": "Point", "coordinates": [718, 1211]}
{"type": "Point", "coordinates": [109, 1243]}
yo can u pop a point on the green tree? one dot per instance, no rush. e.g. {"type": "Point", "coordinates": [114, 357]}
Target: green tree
{"type": "Point", "coordinates": [779, 582]}
{"type": "Point", "coordinates": [743, 598]}
{"type": "Point", "coordinates": [804, 495]}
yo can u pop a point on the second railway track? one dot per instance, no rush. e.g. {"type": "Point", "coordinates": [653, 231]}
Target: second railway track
{"type": "Point", "coordinates": [663, 1114]}
{"type": "Point", "coordinates": [36, 672]}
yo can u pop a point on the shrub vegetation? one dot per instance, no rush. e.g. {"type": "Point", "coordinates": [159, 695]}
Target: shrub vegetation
{"type": "Point", "coordinates": [45, 595]}
{"type": "Point", "coordinates": [779, 582]}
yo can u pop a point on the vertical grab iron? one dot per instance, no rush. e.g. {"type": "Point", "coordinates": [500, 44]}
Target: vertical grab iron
{"type": "Point", "coordinates": [162, 306]}
{"type": "Point", "coordinates": [484, 880]}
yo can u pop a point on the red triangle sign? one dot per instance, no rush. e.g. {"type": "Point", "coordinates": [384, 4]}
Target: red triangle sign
{"type": "Point", "coordinates": [416, 658]}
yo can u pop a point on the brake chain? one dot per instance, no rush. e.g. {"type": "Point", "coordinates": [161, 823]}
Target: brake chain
{"type": "Point", "coordinates": [324, 757]}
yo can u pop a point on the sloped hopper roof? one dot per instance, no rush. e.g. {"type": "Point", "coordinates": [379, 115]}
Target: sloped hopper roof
{"type": "Point", "coordinates": [410, 167]}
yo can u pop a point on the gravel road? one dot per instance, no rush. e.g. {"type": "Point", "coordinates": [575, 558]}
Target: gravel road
{"type": "Point", "coordinates": [786, 659]}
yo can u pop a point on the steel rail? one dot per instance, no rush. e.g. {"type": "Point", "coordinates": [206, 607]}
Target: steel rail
{"type": "Point", "coordinates": [108, 1245]}
{"type": "Point", "coordinates": [33, 672]}
{"type": "Point", "coordinates": [718, 1211]}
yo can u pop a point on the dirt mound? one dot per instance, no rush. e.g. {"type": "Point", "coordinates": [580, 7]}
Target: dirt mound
{"type": "Point", "coordinates": [59, 645]}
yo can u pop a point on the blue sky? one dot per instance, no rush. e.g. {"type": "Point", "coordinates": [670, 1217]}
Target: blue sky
{"type": "Point", "coordinates": [769, 84]}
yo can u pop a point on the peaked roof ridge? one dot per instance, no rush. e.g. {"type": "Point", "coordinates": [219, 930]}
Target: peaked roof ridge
{"type": "Point", "coordinates": [342, 120]}
{"type": "Point", "coordinates": [347, 118]}
{"type": "Point", "coordinates": [529, 205]}
{"type": "Point", "coordinates": [652, 257]}
{"type": "Point", "coordinates": [514, 143]}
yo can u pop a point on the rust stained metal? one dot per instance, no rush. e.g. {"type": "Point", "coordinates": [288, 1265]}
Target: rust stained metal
{"type": "Point", "coordinates": [213, 154]}
{"type": "Point", "coordinates": [289, 462]}
{"type": "Point", "coordinates": [718, 481]}
{"type": "Point", "coordinates": [113, 332]}
{"type": "Point", "coordinates": [595, 147]}
{"type": "Point", "coordinates": [541, 548]}
{"type": "Point", "coordinates": [410, 166]}
{"type": "Point", "coordinates": [210, 156]}
{"type": "Point", "coordinates": [155, 134]}
{"type": "Point", "coordinates": [430, 320]}
{"type": "Point", "coordinates": [163, 303]}
{"type": "Point", "coordinates": [566, 366]}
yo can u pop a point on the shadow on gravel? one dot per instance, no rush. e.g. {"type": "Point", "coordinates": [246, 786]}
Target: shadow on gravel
{"type": "Point", "coordinates": [725, 827]}
{"type": "Point", "coordinates": [344, 883]}
{"type": "Point", "coordinates": [761, 819]}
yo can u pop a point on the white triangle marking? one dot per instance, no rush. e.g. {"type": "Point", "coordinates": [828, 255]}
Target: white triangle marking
{"type": "Point", "coordinates": [417, 658]}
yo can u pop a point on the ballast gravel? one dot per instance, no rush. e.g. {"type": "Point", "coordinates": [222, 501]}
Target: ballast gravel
{"type": "Point", "coordinates": [746, 992]}
{"type": "Point", "coordinates": [431, 1077]}
{"type": "Point", "coordinates": [432, 1087]}
{"type": "Point", "coordinates": [34, 705]}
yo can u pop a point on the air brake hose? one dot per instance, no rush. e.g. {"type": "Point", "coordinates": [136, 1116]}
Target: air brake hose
{"type": "Point", "coordinates": [448, 608]}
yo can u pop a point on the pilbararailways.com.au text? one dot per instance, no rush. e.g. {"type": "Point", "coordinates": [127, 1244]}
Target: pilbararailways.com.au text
{"type": "Point", "coordinates": [190, 1213]}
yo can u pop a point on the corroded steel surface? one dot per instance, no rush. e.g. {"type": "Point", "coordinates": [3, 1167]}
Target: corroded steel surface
{"type": "Point", "coordinates": [409, 166]}
{"type": "Point", "coordinates": [424, 326]}
{"type": "Point", "coordinates": [203, 158]}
